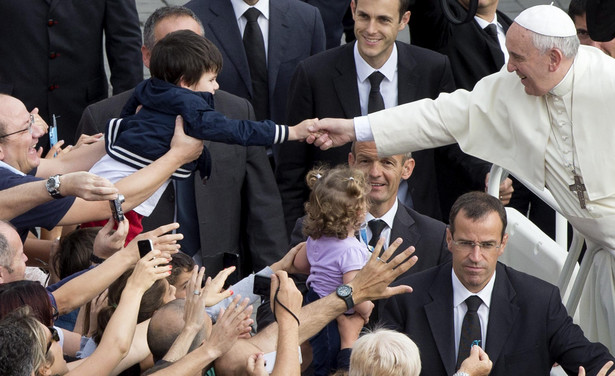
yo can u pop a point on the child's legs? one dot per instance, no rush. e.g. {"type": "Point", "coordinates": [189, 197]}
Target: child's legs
{"type": "Point", "coordinates": [325, 344]}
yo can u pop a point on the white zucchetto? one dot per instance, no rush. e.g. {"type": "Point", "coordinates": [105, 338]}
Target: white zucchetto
{"type": "Point", "coordinates": [547, 20]}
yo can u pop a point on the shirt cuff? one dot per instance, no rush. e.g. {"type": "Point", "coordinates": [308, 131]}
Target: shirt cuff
{"type": "Point", "coordinates": [362, 129]}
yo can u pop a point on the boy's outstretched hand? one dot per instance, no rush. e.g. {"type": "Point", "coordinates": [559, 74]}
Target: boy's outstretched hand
{"type": "Point", "coordinates": [300, 131]}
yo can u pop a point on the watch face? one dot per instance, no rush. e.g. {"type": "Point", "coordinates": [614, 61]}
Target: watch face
{"type": "Point", "coordinates": [344, 290]}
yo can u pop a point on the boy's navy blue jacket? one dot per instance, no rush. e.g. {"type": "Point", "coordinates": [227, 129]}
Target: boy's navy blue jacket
{"type": "Point", "coordinates": [139, 139]}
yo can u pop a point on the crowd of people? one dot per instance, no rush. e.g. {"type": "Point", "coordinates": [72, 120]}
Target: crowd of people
{"type": "Point", "coordinates": [341, 190]}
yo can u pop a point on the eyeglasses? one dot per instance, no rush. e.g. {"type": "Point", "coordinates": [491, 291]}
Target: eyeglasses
{"type": "Point", "coordinates": [28, 128]}
{"type": "Point", "coordinates": [55, 337]}
{"type": "Point", "coordinates": [469, 245]}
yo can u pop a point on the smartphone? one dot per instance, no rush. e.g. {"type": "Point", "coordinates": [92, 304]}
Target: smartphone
{"type": "Point", "coordinates": [53, 131]}
{"type": "Point", "coordinates": [145, 246]}
{"type": "Point", "coordinates": [116, 208]}
{"type": "Point", "coordinates": [262, 285]}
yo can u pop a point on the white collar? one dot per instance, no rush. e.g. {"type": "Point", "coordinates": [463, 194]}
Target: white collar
{"type": "Point", "coordinates": [11, 168]}
{"type": "Point", "coordinates": [484, 23]}
{"type": "Point", "coordinates": [388, 217]}
{"type": "Point", "coordinates": [240, 7]}
{"type": "Point", "coordinates": [364, 70]}
{"type": "Point", "coordinates": [460, 293]}
{"type": "Point", "coordinates": [565, 85]}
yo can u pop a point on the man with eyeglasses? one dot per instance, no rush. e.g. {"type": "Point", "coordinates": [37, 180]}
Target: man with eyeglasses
{"type": "Point", "coordinates": [519, 320]}
{"type": "Point", "coordinates": [21, 164]}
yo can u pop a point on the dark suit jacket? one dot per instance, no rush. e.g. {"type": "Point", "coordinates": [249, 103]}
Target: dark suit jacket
{"type": "Point", "coordinates": [239, 209]}
{"type": "Point", "coordinates": [325, 85]}
{"type": "Point", "coordinates": [472, 53]}
{"type": "Point", "coordinates": [52, 55]}
{"type": "Point", "coordinates": [529, 328]}
{"type": "Point", "coordinates": [426, 234]}
{"type": "Point", "coordinates": [295, 32]}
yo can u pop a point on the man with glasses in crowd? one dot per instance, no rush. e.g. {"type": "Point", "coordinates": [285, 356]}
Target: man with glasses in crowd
{"type": "Point", "coordinates": [518, 319]}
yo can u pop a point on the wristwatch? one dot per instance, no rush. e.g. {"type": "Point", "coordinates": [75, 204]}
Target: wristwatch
{"type": "Point", "coordinates": [459, 373]}
{"type": "Point", "coordinates": [53, 186]}
{"type": "Point", "coordinates": [345, 293]}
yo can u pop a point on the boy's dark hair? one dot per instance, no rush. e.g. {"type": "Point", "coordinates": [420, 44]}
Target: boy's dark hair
{"type": "Point", "coordinates": [184, 56]}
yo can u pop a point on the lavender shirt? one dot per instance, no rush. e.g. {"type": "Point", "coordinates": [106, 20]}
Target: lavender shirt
{"type": "Point", "coordinates": [330, 258]}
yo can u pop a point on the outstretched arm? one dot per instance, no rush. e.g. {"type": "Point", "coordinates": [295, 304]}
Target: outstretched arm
{"type": "Point", "coordinates": [140, 185]}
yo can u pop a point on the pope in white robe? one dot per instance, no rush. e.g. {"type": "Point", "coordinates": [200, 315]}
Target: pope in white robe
{"type": "Point", "coordinates": [548, 117]}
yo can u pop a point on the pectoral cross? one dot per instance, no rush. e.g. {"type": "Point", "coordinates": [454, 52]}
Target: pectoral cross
{"type": "Point", "coordinates": [579, 188]}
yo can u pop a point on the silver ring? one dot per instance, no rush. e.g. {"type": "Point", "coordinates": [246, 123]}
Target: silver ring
{"type": "Point", "coordinates": [155, 266]}
{"type": "Point", "coordinates": [381, 260]}
{"type": "Point", "coordinates": [500, 197]}
{"type": "Point", "coordinates": [197, 292]}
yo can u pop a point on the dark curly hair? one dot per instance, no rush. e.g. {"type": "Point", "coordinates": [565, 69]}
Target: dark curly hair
{"type": "Point", "coordinates": [338, 200]}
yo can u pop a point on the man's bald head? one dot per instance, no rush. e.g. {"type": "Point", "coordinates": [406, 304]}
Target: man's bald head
{"type": "Point", "coordinates": [165, 326]}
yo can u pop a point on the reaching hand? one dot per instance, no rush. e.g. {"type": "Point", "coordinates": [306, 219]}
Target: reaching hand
{"type": "Point", "coordinates": [57, 151]}
{"type": "Point", "coordinates": [300, 131]}
{"type": "Point", "coordinates": [372, 282]}
{"type": "Point", "coordinates": [87, 186]}
{"type": "Point", "coordinates": [232, 322]}
{"type": "Point", "coordinates": [285, 298]}
{"type": "Point", "coordinates": [148, 270]}
{"type": "Point", "coordinates": [215, 293]}
{"type": "Point", "coordinates": [109, 241]}
{"type": "Point", "coordinates": [256, 365]}
{"type": "Point", "coordinates": [194, 310]}
{"type": "Point", "coordinates": [350, 327]}
{"type": "Point", "coordinates": [328, 133]}
{"type": "Point", "coordinates": [477, 364]}
{"type": "Point", "coordinates": [166, 243]}
{"type": "Point", "coordinates": [85, 139]}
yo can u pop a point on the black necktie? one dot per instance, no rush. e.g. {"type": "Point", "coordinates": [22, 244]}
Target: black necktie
{"type": "Point", "coordinates": [254, 44]}
{"type": "Point", "coordinates": [376, 226]}
{"type": "Point", "coordinates": [470, 329]}
{"type": "Point", "coordinates": [375, 101]}
{"type": "Point", "coordinates": [492, 31]}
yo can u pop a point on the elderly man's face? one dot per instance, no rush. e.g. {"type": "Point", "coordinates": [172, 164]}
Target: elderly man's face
{"type": "Point", "coordinates": [16, 270]}
{"type": "Point", "coordinates": [580, 23]}
{"type": "Point", "coordinates": [532, 67]}
{"type": "Point", "coordinates": [19, 137]}
{"type": "Point", "coordinates": [474, 265]}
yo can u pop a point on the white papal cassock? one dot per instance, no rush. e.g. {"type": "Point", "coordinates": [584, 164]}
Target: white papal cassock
{"type": "Point", "coordinates": [543, 140]}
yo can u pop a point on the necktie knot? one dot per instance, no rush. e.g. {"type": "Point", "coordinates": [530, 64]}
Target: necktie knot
{"type": "Point", "coordinates": [375, 79]}
{"type": "Point", "coordinates": [252, 14]}
{"type": "Point", "coordinates": [473, 302]}
{"type": "Point", "coordinates": [492, 31]}
{"type": "Point", "coordinates": [376, 226]}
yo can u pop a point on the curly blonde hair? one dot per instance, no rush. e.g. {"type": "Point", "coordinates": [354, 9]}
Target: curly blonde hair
{"type": "Point", "coordinates": [338, 200]}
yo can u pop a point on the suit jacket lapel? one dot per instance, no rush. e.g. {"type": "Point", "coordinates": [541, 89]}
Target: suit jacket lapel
{"type": "Point", "coordinates": [403, 227]}
{"type": "Point", "coordinates": [346, 83]}
{"type": "Point", "coordinates": [440, 317]}
{"type": "Point", "coordinates": [406, 87]}
{"type": "Point", "coordinates": [504, 312]}
{"type": "Point", "coordinates": [230, 38]}
{"type": "Point", "coordinates": [279, 25]}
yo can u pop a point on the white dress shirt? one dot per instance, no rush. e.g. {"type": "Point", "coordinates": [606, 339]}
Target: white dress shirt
{"type": "Point", "coordinates": [388, 86]}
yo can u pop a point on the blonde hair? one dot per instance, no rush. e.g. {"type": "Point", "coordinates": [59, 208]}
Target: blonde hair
{"type": "Point", "coordinates": [337, 201]}
{"type": "Point", "coordinates": [385, 352]}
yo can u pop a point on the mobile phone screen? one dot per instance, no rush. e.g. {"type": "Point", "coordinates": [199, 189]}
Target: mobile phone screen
{"type": "Point", "coordinates": [145, 246]}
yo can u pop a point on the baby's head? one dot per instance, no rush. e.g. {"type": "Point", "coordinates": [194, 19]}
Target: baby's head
{"type": "Point", "coordinates": [186, 59]}
{"type": "Point", "coordinates": [338, 202]}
